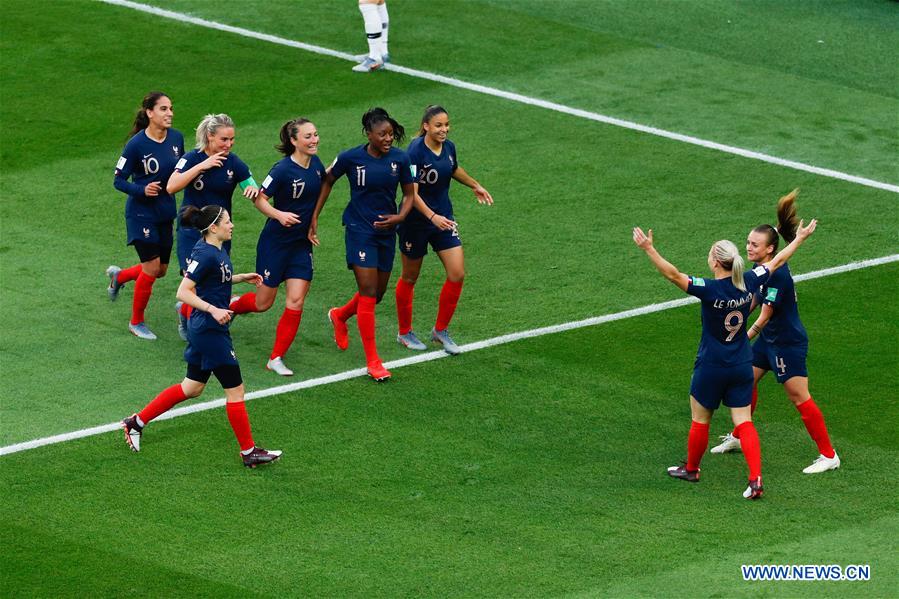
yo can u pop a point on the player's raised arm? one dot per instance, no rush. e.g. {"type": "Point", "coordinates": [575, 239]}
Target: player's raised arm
{"type": "Point", "coordinates": [668, 270]}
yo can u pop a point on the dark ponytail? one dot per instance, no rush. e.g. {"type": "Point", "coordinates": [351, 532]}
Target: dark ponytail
{"type": "Point", "coordinates": [289, 132]}
{"type": "Point", "coordinates": [379, 115]}
{"type": "Point", "coordinates": [202, 218]}
{"type": "Point", "coordinates": [430, 112]}
{"type": "Point", "coordinates": [787, 222]}
{"type": "Point", "coordinates": [141, 120]}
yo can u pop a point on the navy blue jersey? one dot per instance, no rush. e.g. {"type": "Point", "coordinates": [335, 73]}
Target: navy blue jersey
{"type": "Point", "coordinates": [725, 310]}
{"type": "Point", "coordinates": [294, 189]}
{"type": "Point", "coordinates": [434, 173]}
{"type": "Point", "coordinates": [779, 292]}
{"type": "Point", "coordinates": [145, 161]}
{"type": "Point", "coordinates": [215, 186]}
{"type": "Point", "coordinates": [373, 183]}
{"type": "Point", "coordinates": [210, 268]}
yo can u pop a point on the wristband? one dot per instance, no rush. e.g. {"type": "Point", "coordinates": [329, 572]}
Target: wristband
{"type": "Point", "coordinates": [248, 182]}
{"type": "Point", "coordinates": [431, 218]}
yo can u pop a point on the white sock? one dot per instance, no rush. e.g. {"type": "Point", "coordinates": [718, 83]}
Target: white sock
{"type": "Point", "coordinates": [139, 422]}
{"type": "Point", "coordinates": [385, 23]}
{"type": "Point", "coordinates": [247, 451]}
{"type": "Point", "coordinates": [372, 29]}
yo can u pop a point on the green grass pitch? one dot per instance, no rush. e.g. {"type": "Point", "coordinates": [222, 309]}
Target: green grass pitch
{"type": "Point", "coordinates": [534, 468]}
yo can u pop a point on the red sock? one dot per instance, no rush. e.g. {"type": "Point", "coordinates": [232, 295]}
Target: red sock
{"type": "Point", "coordinates": [286, 331]}
{"type": "Point", "coordinates": [128, 274]}
{"type": "Point", "coordinates": [755, 399]}
{"type": "Point", "coordinates": [345, 312]}
{"type": "Point", "coordinates": [814, 424]}
{"type": "Point", "coordinates": [162, 403]}
{"type": "Point", "coordinates": [240, 422]}
{"type": "Point", "coordinates": [143, 288]}
{"type": "Point", "coordinates": [697, 442]}
{"type": "Point", "coordinates": [449, 298]}
{"type": "Point", "coordinates": [244, 304]}
{"type": "Point", "coordinates": [186, 309]}
{"type": "Point", "coordinates": [405, 293]}
{"type": "Point", "coordinates": [365, 320]}
{"type": "Point", "coordinates": [752, 448]}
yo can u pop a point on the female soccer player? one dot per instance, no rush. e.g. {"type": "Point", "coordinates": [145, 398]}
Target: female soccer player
{"type": "Point", "coordinates": [148, 159]}
{"type": "Point", "coordinates": [377, 23]}
{"type": "Point", "coordinates": [374, 171]}
{"type": "Point", "coordinates": [434, 158]}
{"type": "Point", "coordinates": [782, 344]}
{"type": "Point", "coordinates": [208, 174]}
{"type": "Point", "coordinates": [207, 287]}
{"type": "Point", "coordinates": [723, 364]}
{"type": "Point", "coordinates": [283, 252]}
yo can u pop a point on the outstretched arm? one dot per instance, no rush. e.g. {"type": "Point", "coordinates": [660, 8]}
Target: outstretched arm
{"type": "Point", "coordinates": [668, 270]}
{"type": "Point", "coordinates": [802, 233]}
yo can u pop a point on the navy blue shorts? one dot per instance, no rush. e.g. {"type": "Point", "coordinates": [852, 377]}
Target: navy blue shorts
{"type": "Point", "coordinates": [414, 240]}
{"type": "Point", "coordinates": [369, 250]}
{"type": "Point", "coordinates": [150, 233]}
{"type": "Point", "coordinates": [785, 362]}
{"type": "Point", "coordinates": [187, 239]}
{"type": "Point", "coordinates": [711, 385]}
{"type": "Point", "coordinates": [209, 348]}
{"type": "Point", "coordinates": [280, 259]}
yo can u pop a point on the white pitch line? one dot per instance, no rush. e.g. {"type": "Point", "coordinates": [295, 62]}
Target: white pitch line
{"type": "Point", "coordinates": [419, 358]}
{"type": "Point", "coordinates": [491, 91]}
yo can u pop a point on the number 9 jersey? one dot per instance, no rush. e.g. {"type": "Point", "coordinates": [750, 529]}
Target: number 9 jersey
{"type": "Point", "coordinates": [725, 310]}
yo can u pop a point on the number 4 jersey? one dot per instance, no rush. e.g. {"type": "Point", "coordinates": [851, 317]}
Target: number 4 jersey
{"type": "Point", "coordinates": [725, 310]}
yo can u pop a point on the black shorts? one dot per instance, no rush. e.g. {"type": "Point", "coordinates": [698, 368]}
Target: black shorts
{"type": "Point", "coordinates": [227, 374]}
{"type": "Point", "coordinates": [151, 251]}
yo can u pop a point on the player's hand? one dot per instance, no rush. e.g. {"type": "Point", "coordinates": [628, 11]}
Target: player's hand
{"type": "Point", "coordinates": [251, 192]}
{"type": "Point", "coordinates": [483, 196]}
{"type": "Point", "coordinates": [803, 232]}
{"type": "Point", "coordinates": [312, 236]}
{"type": "Point", "coordinates": [288, 219]}
{"type": "Point", "coordinates": [443, 223]}
{"type": "Point", "coordinates": [152, 190]}
{"type": "Point", "coordinates": [214, 161]}
{"type": "Point", "coordinates": [220, 315]}
{"type": "Point", "coordinates": [253, 278]}
{"type": "Point", "coordinates": [387, 221]}
{"type": "Point", "coordinates": [643, 241]}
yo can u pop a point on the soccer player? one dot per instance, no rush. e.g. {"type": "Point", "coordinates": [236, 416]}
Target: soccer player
{"type": "Point", "coordinates": [782, 344]}
{"type": "Point", "coordinates": [148, 160]}
{"type": "Point", "coordinates": [206, 287]}
{"type": "Point", "coordinates": [208, 175]}
{"type": "Point", "coordinates": [284, 253]}
{"type": "Point", "coordinates": [434, 158]}
{"type": "Point", "coordinates": [374, 171]}
{"type": "Point", "coordinates": [374, 16]}
{"type": "Point", "coordinates": [723, 368]}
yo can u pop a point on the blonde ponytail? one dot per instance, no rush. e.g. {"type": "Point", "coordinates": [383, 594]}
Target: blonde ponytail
{"type": "Point", "coordinates": [728, 256]}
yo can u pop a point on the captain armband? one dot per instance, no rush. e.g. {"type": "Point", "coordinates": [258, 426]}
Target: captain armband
{"type": "Point", "coordinates": [249, 181]}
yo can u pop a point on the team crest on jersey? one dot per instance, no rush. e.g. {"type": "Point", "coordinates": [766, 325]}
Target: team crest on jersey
{"type": "Point", "coordinates": [266, 274]}
{"type": "Point", "coordinates": [146, 233]}
{"type": "Point", "coordinates": [233, 355]}
{"type": "Point", "coordinates": [393, 168]}
{"type": "Point", "coordinates": [361, 255]}
{"type": "Point", "coordinates": [408, 246]}
{"type": "Point", "coordinates": [230, 175]}
{"type": "Point", "coordinates": [176, 151]}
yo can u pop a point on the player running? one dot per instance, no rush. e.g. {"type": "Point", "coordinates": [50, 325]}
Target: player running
{"type": "Point", "coordinates": [208, 174]}
{"type": "Point", "coordinates": [284, 253]}
{"type": "Point", "coordinates": [206, 287]}
{"type": "Point", "coordinates": [782, 344]}
{"type": "Point", "coordinates": [432, 223]}
{"type": "Point", "coordinates": [374, 171]}
{"type": "Point", "coordinates": [722, 371]}
{"type": "Point", "coordinates": [148, 160]}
